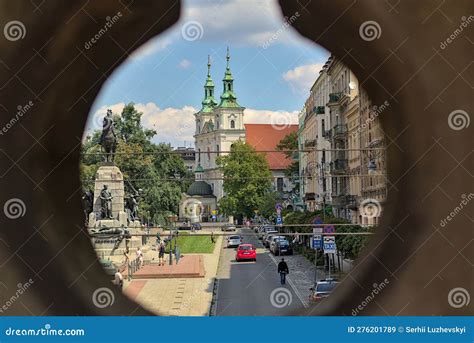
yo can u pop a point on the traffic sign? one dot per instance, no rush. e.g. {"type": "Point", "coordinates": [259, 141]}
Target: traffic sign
{"type": "Point", "coordinates": [317, 221]}
{"type": "Point", "coordinates": [279, 220]}
{"type": "Point", "coordinates": [317, 230]}
{"type": "Point", "coordinates": [278, 206]}
{"type": "Point", "coordinates": [317, 242]}
{"type": "Point", "coordinates": [329, 244]}
{"type": "Point", "coordinates": [329, 229]}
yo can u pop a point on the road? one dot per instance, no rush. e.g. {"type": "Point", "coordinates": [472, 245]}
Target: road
{"type": "Point", "coordinates": [253, 288]}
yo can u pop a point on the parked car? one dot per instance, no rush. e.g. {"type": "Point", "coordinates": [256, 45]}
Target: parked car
{"type": "Point", "coordinates": [322, 289]}
{"type": "Point", "coordinates": [234, 241]}
{"type": "Point", "coordinates": [246, 252]}
{"type": "Point", "coordinates": [270, 238]}
{"type": "Point", "coordinates": [265, 230]}
{"type": "Point", "coordinates": [268, 233]}
{"type": "Point", "coordinates": [229, 227]}
{"type": "Point", "coordinates": [281, 247]}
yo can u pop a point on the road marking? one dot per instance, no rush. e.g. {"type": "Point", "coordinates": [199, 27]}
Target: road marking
{"type": "Point", "coordinates": [292, 285]}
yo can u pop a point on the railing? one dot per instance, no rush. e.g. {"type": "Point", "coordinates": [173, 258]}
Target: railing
{"type": "Point", "coordinates": [320, 109]}
{"type": "Point", "coordinates": [335, 97]}
{"type": "Point", "coordinates": [339, 166]}
{"type": "Point", "coordinates": [339, 130]}
{"type": "Point", "coordinates": [133, 266]}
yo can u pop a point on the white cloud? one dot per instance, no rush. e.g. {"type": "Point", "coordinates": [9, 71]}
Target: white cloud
{"type": "Point", "coordinates": [151, 47]}
{"type": "Point", "coordinates": [301, 78]}
{"type": "Point", "coordinates": [185, 64]}
{"type": "Point", "coordinates": [245, 22]}
{"type": "Point", "coordinates": [252, 116]}
{"type": "Point", "coordinates": [176, 125]}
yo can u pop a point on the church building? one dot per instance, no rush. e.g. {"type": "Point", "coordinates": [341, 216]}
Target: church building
{"type": "Point", "coordinates": [218, 125]}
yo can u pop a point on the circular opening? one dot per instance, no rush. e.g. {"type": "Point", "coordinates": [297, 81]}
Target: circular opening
{"type": "Point", "coordinates": [179, 169]}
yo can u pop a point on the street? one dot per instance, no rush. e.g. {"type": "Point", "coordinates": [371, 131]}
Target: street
{"type": "Point", "coordinates": [253, 288]}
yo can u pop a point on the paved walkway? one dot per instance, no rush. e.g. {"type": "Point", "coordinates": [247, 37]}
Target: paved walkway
{"type": "Point", "coordinates": [177, 296]}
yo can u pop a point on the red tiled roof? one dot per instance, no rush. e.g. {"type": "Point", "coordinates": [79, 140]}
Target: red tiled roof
{"type": "Point", "coordinates": [266, 137]}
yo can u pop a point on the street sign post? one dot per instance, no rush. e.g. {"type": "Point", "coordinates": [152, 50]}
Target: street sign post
{"type": "Point", "coordinates": [317, 242]}
{"type": "Point", "coordinates": [329, 244]}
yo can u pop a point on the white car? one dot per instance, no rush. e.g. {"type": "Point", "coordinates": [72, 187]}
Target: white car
{"type": "Point", "coordinates": [234, 241]}
{"type": "Point", "coordinates": [229, 227]}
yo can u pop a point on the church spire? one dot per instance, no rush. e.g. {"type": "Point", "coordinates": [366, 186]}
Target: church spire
{"type": "Point", "coordinates": [228, 97]}
{"type": "Point", "coordinates": [209, 102]}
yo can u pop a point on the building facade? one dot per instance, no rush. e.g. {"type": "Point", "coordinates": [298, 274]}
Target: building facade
{"type": "Point", "coordinates": [342, 163]}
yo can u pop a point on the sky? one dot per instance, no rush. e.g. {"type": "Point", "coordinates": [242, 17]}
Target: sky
{"type": "Point", "coordinates": [272, 65]}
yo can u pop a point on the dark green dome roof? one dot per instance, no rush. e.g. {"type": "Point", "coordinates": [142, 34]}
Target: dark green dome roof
{"type": "Point", "coordinates": [199, 188]}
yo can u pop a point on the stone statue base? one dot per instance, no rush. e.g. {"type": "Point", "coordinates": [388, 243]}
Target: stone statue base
{"type": "Point", "coordinates": [111, 176]}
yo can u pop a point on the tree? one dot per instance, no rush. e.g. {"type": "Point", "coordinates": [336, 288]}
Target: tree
{"type": "Point", "coordinates": [151, 167]}
{"type": "Point", "coordinates": [247, 179]}
{"type": "Point", "coordinates": [289, 144]}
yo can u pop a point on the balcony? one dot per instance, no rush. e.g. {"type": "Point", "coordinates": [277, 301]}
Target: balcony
{"type": "Point", "coordinates": [310, 143]}
{"type": "Point", "coordinates": [339, 166]}
{"type": "Point", "coordinates": [352, 202]}
{"type": "Point", "coordinates": [335, 97]}
{"type": "Point", "coordinates": [339, 200]}
{"type": "Point", "coordinates": [320, 110]}
{"type": "Point", "coordinates": [339, 131]}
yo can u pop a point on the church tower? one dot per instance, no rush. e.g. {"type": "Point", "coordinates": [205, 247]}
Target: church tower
{"type": "Point", "coordinates": [217, 127]}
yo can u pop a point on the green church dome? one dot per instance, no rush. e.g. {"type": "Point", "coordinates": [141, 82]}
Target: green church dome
{"type": "Point", "coordinates": [201, 188]}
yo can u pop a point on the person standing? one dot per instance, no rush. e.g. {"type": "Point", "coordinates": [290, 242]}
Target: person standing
{"type": "Point", "coordinates": [161, 254]}
{"type": "Point", "coordinates": [140, 258]}
{"type": "Point", "coordinates": [119, 280]}
{"type": "Point", "coordinates": [283, 270]}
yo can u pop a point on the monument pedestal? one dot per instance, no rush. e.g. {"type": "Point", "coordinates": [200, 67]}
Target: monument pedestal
{"type": "Point", "coordinates": [111, 176]}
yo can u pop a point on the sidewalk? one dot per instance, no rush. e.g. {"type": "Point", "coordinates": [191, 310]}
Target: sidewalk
{"type": "Point", "coordinates": [302, 274]}
{"type": "Point", "coordinates": [177, 296]}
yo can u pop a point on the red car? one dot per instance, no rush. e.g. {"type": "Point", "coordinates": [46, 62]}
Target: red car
{"type": "Point", "coordinates": [246, 252]}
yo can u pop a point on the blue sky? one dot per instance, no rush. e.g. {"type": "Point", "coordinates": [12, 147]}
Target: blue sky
{"type": "Point", "coordinates": [273, 68]}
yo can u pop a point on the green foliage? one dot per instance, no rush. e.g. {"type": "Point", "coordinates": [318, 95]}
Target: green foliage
{"type": "Point", "coordinates": [145, 165]}
{"type": "Point", "coordinates": [267, 209]}
{"type": "Point", "coordinates": [247, 179]}
{"type": "Point", "coordinates": [287, 143]}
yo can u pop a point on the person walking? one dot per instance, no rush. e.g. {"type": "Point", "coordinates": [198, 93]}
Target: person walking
{"type": "Point", "coordinates": [119, 279]}
{"type": "Point", "coordinates": [140, 258]}
{"type": "Point", "coordinates": [161, 254]}
{"type": "Point", "coordinates": [283, 270]}
{"type": "Point", "coordinates": [213, 240]}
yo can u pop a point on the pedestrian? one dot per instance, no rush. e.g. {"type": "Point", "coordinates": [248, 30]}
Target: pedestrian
{"type": "Point", "coordinates": [213, 240]}
{"type": "Point", "coordinates": [283, 270]}
{"type": "Point", "coordinates": [177, 254]}
{"type": "Point", "coordinates": [140, 258]}
{"type": "Point", "coordinates": [161, 254]}
{"type": "Point", "coordinates": [119, 279]}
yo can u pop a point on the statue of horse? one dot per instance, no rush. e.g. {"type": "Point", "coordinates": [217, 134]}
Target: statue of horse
{"type": "Point", "coordinates": [108, 139]}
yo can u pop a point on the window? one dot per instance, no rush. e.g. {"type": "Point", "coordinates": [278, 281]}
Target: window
{"type": "Point", "coordinates": [218, 150]}
{"type": "Point", "coordinates": [232, 124]}
{"type": "Point", "coordinates": [280, 184]}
